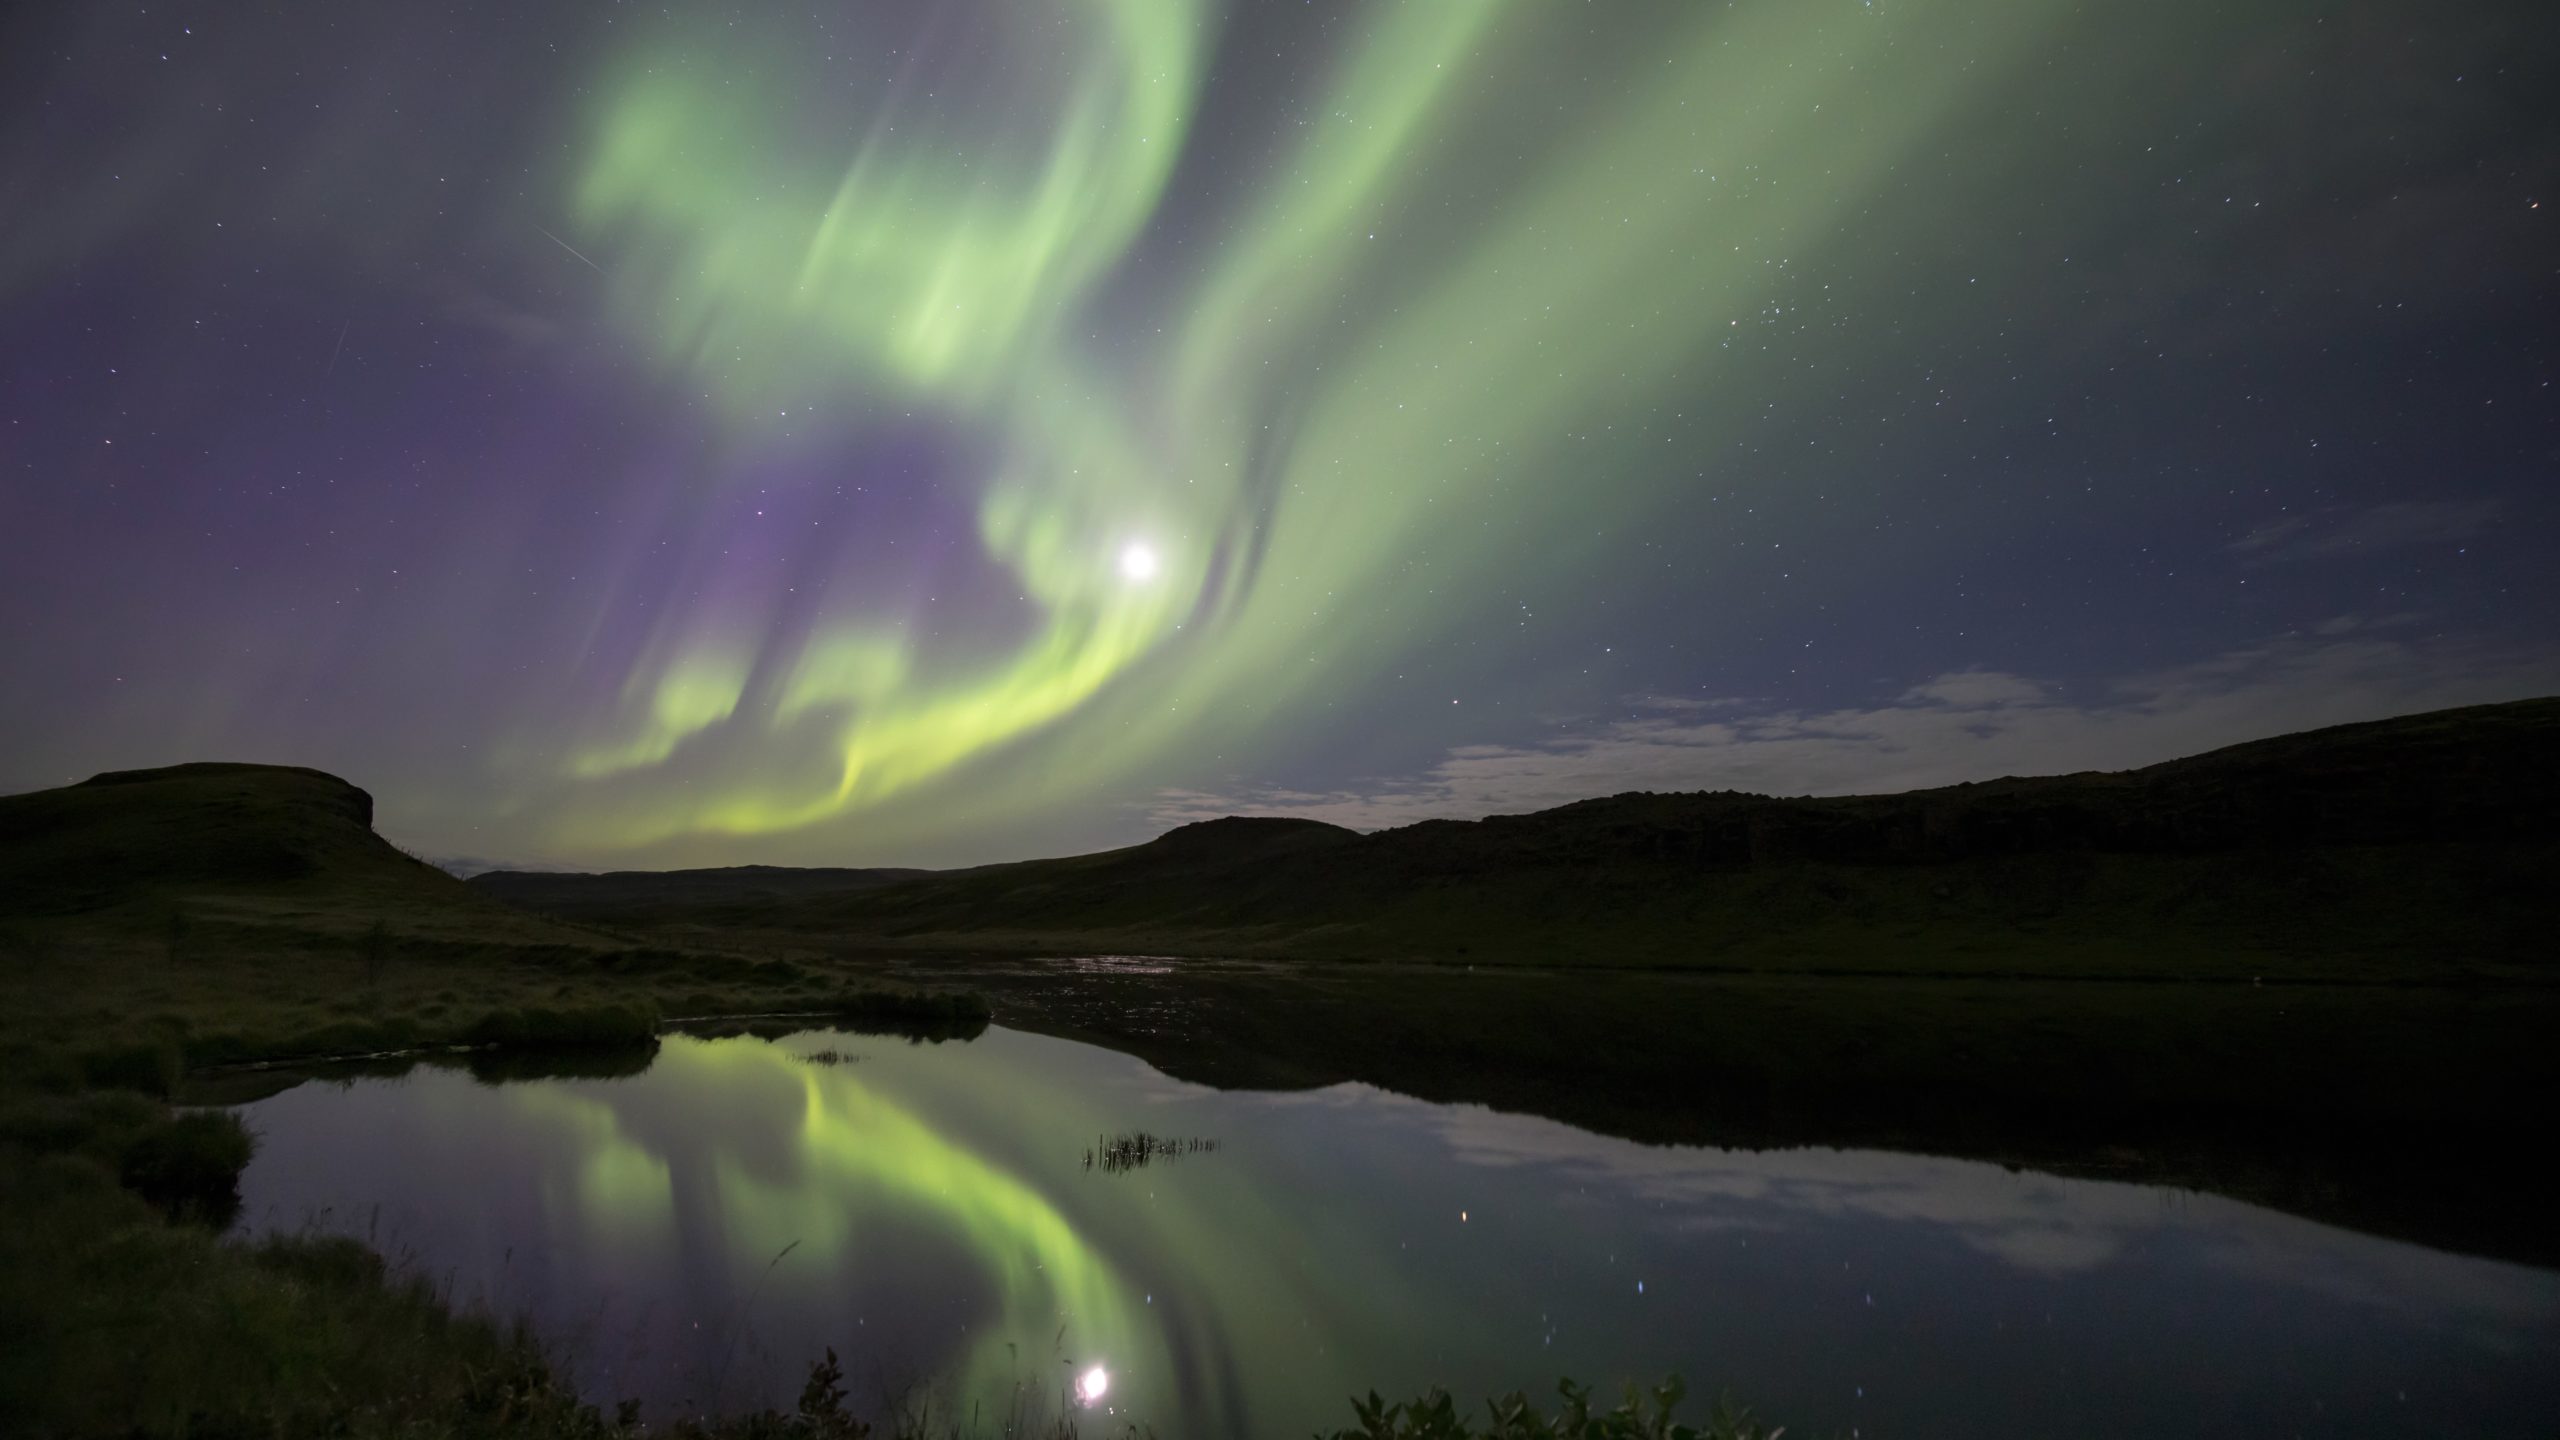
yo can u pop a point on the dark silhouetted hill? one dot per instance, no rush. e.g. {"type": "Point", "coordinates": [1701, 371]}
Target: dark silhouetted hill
{"type": "Point", "coordinates": [641, 893]}
{"type": "Point", "coordinates": [2356, 851]}
{"type": "Point", "coordinates": [233, 858]}
{"type": "Point", "coordinates": [132, 835]}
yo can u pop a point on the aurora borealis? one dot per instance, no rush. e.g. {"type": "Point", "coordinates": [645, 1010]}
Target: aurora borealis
{"type": "Point", "coordinates": [933, 433]}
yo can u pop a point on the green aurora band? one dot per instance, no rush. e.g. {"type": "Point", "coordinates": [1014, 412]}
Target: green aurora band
{"type": "Point", "coordinates": [728, 1152]}
{"type": "Point", "coordinates": [1319, 430]}
{"type": "Point", "coordinates": [853, 1152]}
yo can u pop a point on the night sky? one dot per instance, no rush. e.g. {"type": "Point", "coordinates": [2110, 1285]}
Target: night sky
{"type": "Point", "coordinates": [947, 432]}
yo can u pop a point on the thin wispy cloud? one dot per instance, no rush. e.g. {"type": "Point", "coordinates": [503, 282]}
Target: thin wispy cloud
{"type": "Point", "coordinates": [463, 867]}
{"type": "Point", "coordinates": [2340, 534]}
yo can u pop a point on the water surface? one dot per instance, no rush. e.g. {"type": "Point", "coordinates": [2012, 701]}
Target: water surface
{"type": "Point", "coordinates": [694, 1234]}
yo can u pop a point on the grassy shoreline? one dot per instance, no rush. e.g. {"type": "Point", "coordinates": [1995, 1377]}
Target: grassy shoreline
{"type": "Point", "coordinates": [125, 1311]}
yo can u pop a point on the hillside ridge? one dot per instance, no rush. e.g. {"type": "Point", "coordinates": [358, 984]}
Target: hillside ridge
{"type": "Point", "coordinates": [2384, 848]}
{"type": "Point", "coordinates": [125, 835]}
{"type": "Point", "coordinates": [2361, 849]}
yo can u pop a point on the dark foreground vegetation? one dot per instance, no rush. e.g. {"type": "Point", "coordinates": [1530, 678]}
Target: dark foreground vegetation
{"type": "Point", "coordinates": [1639, 1416]}
{"type": "Point", "coordinates": [1137, 1149]}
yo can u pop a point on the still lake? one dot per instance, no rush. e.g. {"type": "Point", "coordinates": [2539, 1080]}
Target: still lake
{"type": "Point", "coordinates": [937, 1223]}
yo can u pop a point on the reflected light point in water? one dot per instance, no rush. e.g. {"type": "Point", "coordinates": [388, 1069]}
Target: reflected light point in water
{"type": "Point", "coordinates": [1091, 1385]}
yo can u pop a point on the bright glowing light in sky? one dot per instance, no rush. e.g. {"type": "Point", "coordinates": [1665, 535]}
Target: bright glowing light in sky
{"type": "Point", "coordinates": [1092, 1383]}
{"type": "Point", "coordinates": [1138, 561]}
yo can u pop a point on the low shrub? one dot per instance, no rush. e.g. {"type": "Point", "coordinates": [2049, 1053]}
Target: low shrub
{"type": "Point", "coordinates": [189, 1165]}
{"type": "Point", "coordinates": [539, 1025]}
{"type": "Point", "coordinates": [150, 1066]}
{"type": "Point", "coordinates": [502, 1065]}
{"type": "Point", "coordinates": [94, 1122]}
{"type": "Point", "coordinates": [946, 1007]}
{"type": "Point", "coordinates": [354, 1037]}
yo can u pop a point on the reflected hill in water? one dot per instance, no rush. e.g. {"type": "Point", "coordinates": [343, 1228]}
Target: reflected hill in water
{"type": "Point", "coordinates": [2414, 848]}
{"type": "Point", "coordinates": [648, 894]}
{"type": "Point", "coordinates": [2311, 972]}
{"type": "Point", "coordinates": [244, 1085]}
{"type": "Point", "coordinates": [2412, 1112]}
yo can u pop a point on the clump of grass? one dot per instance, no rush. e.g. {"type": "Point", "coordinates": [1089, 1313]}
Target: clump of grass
{"type": "Point", "coordinates": [333, 1039]}
{"type": "Point", "coordinates": [640, 960]}
{"type": "Point", "coordinates": [554, 1062]}
{"type": "Point", "coordinates": [355, 1037]}
{"type": "Point", "coordinates": [1113, 1154]}
{"type": "Point", "coordinates": [1640, 1416]}
{"type": "Point", "coordinates": [223, 1047]}
{"type": "Point", "coordinates": [149, 1066]}
{"type": "Point", "coordinates": [96, 1123]}
{"type": "Point", "coordinates": [188, 1165]}
{"type": "Point", "coordinates": [123, 1324]}
{"type": "Point", "coordinates": [760, 1027]}
{"type": "Point", "coordinates": [534, 1026]}
{"type": "Point", "coordinates": [955, 1008]}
